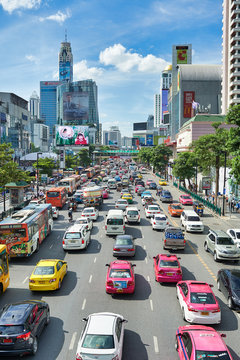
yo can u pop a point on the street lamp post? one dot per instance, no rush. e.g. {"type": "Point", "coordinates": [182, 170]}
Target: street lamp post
{"type": "Point", "coordinates": [39, 153]}
{"type": "Point", "coordinates": [196, 176]}
{"type": "Point", "coordinates": [224, 181]}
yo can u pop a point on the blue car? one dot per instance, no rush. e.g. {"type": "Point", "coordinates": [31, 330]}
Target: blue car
{"type": "Point", "coordinates": [117, 178]}
{"type": "Point", "coordinates": [78, 198]}
{"type": "Point", "coordinates": [166, 196]}
{"type": "Point", "coordinates": [147, 192]}
{"type": "Point", "coordinates": [153, 186]}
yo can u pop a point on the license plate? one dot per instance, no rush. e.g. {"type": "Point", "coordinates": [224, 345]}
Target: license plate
{"type": "Point", "coordinates": [119, 290]}
{"type": "Point", "coordinates": [71, 241]}
{"type": "Point", "coordinates": [169, 274]}
{"type": "Point", "coordinates": [114, 228]}
{"type": "Point", "coordinates": [7, 341]}
{"type": "Point", "coordinates": [41, 282]}
{"type": "Point", "coordinates": [205, 313]}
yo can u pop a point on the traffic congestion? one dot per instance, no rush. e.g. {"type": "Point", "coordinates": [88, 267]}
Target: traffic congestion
{"type": "Point", "coordinates": [116, 263]}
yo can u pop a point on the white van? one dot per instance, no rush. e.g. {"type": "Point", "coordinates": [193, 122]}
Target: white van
{"type": "Point", "coordinates": [112, 184]}
{"type": "Point", "coordinates": [191, 221]}
{"type": "Point", "coordinates": [77, 237]}
{"type": "Point", "coordinates": [115, 223]}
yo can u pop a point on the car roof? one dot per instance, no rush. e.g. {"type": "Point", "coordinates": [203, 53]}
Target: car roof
{"type": "Point", "coordinates": [102, 323]}
{"type": "Point", "coordinates": [207, 340]}
{"type": "Point", "coordinates": [167, 257]}
{"type": "Point", "coordinates": [89, 208]}
{"type": "Point", "coordinates": [17, 313]}
{"type": "Point", "coordinates": [132, 208]}
{"type": "Point", "coordinates": [198, 286]}
{"type": "Point", "coordinates": [48, 262]}
{"type": "Point", "coordinates": [120, 263]}
{"type": "Point", "coordinates": [219, 232]}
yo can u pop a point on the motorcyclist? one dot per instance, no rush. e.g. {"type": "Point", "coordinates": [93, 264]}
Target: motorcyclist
{"type": "Point", "coordinates": [70, 216]}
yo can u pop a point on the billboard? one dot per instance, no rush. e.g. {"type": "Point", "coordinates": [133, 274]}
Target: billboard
{"type": "Point", "coordinates": [64, 70]}
{"type": "Point", "coordinates": [139, 126]}
{"type": "Point", "coordinates": [188, 98]}
{"type": "Point", "coordinates": [164, 100]}
{"type": "Point", "coordinates": [72, 135]}
{"type": "Point", "coordinates": [75, 106]}
{"type": "Point", "coordinates": [206, 183]}
{"type": "Point", "coordinates": [149, 140]}
{"type": "Point", "coordinates": [182, 54]}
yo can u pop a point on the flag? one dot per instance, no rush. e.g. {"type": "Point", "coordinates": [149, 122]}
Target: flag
{"type": "Point", "coordinates": [195, 104]}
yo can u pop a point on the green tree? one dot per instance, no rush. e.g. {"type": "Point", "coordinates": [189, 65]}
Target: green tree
{"type": "Point", "coordinates": [91, 150]}
{"type": "Point", "coordinates": [45, 165]}
{"type": "Point", "coordinates": [83, 157]}
{"type": "Point", "coordinates": [233, 143]}
{"type": "Point", "coordinates": [145, 155]}
{"type": "Point", "coordinates": [184, 166]}
{"type": "Point", "coordinates": [34, 149]}
{"type": "Point", "coordinates": [160, 158]}
{"type": "Point", "coordinates": [209, 151]}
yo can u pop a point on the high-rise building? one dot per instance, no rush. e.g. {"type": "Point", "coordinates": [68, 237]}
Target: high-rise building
{"type": "Point", "coordinates": [166, 82]}
{"type": "Point", "coordinates": [157, 110]}
{"type": "Point", "coordinates": [34, 102]}
{"type": "Point", "coordinates": [65, 62]}
{"type": "Point", "coordinates": [231, 54]}
{"type": "Point", "coordinates": [48, 104]}
{"type": "Point", "coordinates": [112, 136]}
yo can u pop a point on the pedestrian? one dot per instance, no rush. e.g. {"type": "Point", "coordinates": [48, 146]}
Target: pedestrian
{"type": "Point", "coordinates": [238, 206]}
{"type": "Point", "coordinates": [232, 205]}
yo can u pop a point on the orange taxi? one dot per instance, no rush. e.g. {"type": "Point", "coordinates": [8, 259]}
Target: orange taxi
{"type": "Point", "coordinates": [175, 209]}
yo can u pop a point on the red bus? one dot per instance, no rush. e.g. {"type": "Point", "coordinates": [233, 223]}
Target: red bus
{"type": "Point", "coordinates": [57, 196]}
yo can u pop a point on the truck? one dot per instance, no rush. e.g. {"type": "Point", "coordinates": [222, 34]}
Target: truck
{"type": "Point", "coordinates": [173, 239]}
{"type": "Point", "coordinates": [92, 196]}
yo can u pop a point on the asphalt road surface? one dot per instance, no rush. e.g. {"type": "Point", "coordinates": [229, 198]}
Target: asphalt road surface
{"type": "Point", "coordinates": [153, 312]}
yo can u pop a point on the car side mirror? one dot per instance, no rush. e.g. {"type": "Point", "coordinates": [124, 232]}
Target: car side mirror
{"type": "Point", "coordinates": [84, 319]}
{"type": "Point", "coordinates": [223, 335]}
{"type": "Point", "coordinates": [133, 265]}
{"type": "Point", "coordinates": [107, 264]}
{"type": "Point", "coordinates": [123, 321]}
{"type": "Point", "coordinates": [211, 285]}
{"type": "Point", "coordinates": [154, 257]}
{"type": "Point", "coordinates": [179, 258]}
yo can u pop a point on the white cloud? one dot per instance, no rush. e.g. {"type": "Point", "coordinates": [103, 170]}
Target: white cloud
{"type": "Point", "coordinates": [81, 71]}
{"type": "Point", "coordinates": [31, 58]}
{"type": "Point", "coordinates": [59, 17]}
{"type": "Point", "coordinates": [11, 5]}
{"type": "Point", "coordinates": [118, 56]}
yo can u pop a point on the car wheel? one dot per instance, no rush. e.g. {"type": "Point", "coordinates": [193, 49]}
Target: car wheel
{"type": "Point", "coordinates": [206, 247]}
{"type": "Point", "coordinates": [215, 256]}
{"type": "Point", "coordinates": [176, 345]}
{"type": "Point", "coordinates": [34, 346]}
{"type": "Point", "coordinates": [230, 303]}
{"type": "Point", "coordinates": [47, 318]}
{"type": "Point", "coordinates": [176, 295]}
{"type": "Point", "coordinates": [59, 284]}
{"type": "Point", "coordinates": [183, 314]}
{"type": "Point", "coordinates": [218, 285]}
{"type": "Point", "coordinates": [38, 246]}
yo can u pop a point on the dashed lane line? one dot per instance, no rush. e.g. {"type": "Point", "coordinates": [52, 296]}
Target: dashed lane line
{"type": "Point", "coordinates": [90, 279]}
{"type": "Point", "coordinates": [151, 304]}
{"type": "Point", "coordinates": [95, 259]}
{"type": "Point", "coordinates": [84, 304]}
{"type": "Point", "coordinates": [146, 260]}
{"type": "Point", "coordinates": [155, 342]}
{"type": "Point", "coordinates": [148, 278]}
{"type": "Point", "coordinates": [73, 341]}
{"type": "Point", "coordinates": [25, 280]}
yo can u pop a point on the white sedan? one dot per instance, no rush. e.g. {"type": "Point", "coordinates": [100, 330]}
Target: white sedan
{"type": "Point", "coordinates": [235, 235]}
{"type": "Point", "coordinates": [85, 221]}
{"type": "Point", "coordinates": [151, 210]}
{"type": "Point", "coordinates": [159, 222]}
{"type": "Point", "coordinates": [121, 204]}
{"type": "Point", "coordinates": [55, 212]}
{"type": "Point", "coordinates": [90, 212]}
{"type": "Point", "coordinates": [102, 337]}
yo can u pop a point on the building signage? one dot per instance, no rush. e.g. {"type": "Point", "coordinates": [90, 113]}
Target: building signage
{"type": "Point", "coordinates": [75, 106]}
{"type": "Point", "coordinates": [72, 135]}
{"type": "Point", "coordinates": [182, 54]}
{"type": "Point", "coordinates": [206, 183]}
{"type": "Point", "coordinates": [188, 98]}
{"type": "Point", "coordinates": [149, 140]}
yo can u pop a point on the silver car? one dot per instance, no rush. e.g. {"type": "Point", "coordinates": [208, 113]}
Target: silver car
{"type": "Point", "coordinates": [124, 246]}
{"type": "Point", "coordinates": [121, 204]}
{"type": "Point", "coordinates": [221, 246]}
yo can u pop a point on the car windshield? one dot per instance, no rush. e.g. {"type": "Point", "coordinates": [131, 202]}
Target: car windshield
{"type": "Point", "coordinates": [11, 329]}
{"type": "Point", "coordinates": [202, 298]}
{"type": "Point", "coordinates": [176, 207]}
{"type": "Point", "coordinates": [73, 235]}
{"type": "Point", "coordinates": [114, 221]}
{"type": "Point", "coordinates": [88, 211]}
{"type": "Point", "coordinates": [122, 202]}
{"type": "Point", "coordinates": [120, 273]}
{"type": "Point", "coordinates": [160, 218]}
{"type": "Point", "coordinates": [235, 279]}
{"type": "Point", "coordinates": [153, 208]}
{"type": "Point", "coordinates": [124, 241]}
{"type": "Point", "coordinates": [52, 193]}
{"type": "Point", "coordinates": [132, 212]}
{"type": "Point", "coordinates": [98, 342]}
{"type": "Point", "coordinates": [222, 355]}
{"type": "Point", "coordinates": [193, 218]}
{"type": "Point", "coordinates": [186, 197]}
{"type": "Point", "coordinates": [168, 263]}
{"type": "Point", "coordinates": [44, 270]}
{"type": "Point", "coordinates": [237, 235]}
{"type": "Point", "coordinates": [225, 241]}
{"type": "Point", "coordinates": [166, 193]}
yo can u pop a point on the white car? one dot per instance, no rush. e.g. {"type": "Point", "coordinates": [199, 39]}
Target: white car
{"type": "Point", "coordinates": [146, 198]}
{"type": "Point", "coordinates": [159, 222]}
{"type": "Point", "coordinates": [235, 235]}
{"type": "Point", "coordinates": [121, 204]}
{"type": "Point", "coordinates": [90, 212]}
{"type": "Point", "coordinates": [151, 210]}
{"type": "Point", "coordinates": [85, 221]}
{"type": "Point", "coordinates": [102, 337]}
{"type": "Point", "coordinates": [55, 212]}
{"type": "Point", "coordinates": [132, 215]}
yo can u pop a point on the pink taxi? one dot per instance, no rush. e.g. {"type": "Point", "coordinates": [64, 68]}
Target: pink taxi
{"type": "Point", "coordinates": [120, 277]}
{"type": "Point", "coordinates": [105, 194]}
{"type": "Point", "coordinates": [198, 302]}
{"type": "Point", "coordinates": [167, 268]}
{"type": "Point", "coordinates": [195, 342]}
{"type": "Point", "coordinates": [185, 200]}
{"type": "Point", "coordinates": [137, 187]}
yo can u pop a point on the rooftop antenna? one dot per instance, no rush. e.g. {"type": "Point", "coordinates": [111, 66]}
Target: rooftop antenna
{"type": "Point", "coordinates": [65, 35]}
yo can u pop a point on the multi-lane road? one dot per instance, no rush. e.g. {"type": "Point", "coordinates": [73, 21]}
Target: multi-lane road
{"type": "Point", "coordinates": [153, 312]}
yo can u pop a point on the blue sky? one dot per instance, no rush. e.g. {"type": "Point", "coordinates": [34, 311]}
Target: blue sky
{"type": "Point", "coordinates": [121, 44]}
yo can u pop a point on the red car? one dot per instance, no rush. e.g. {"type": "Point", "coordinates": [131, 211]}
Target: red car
{"type": "Point", "coordinates": [198, 302]}
{"type": "Point", "coordinates": [137, 187]}
{"type": "Point", "coordinates": [167, 268]}
{"type": "Point", "coordinates": [185, 200]}
{"type": "Point", "coordinates": [120, 277]}
{"type": "Point", "coordinates": [105, 194]}
{"type": "Point", "coordinates": [148, 182]}
{"type": "Point", "coordinates": [195, 342]}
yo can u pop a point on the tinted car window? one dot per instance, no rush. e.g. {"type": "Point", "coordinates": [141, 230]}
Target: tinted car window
{"type": "Point", "coordinates": [115, 221]}
{"type": "Point", "coordinates": [167, 263]}
{"type": "Point", "coordinates": [132, 212]}
{"type": "Point", "coordinates": [120, 273]}
{"type": "Point", "coordinates": [98, 342]}
{"type": "Point", "coordinates": [44, 270]}
{"type": "Point", "coordinates": [235, 280]}
{"type": "Point", "coordinates": [202, 298]}
{"type": "Point", "coordinates": [225, 241]}
{"type": "Point", "coordinates": [11, 329]}
{"type": "Point", "coordinates": [75, 235]}
{"type": "Point", "coordinates": [124, 242]}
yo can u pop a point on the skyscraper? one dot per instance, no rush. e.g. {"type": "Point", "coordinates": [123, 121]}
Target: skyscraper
{"type": "Point", "coordinates": [65, 62]}
{"type": "Point", "coordinates": [231, 56]}
{"type": "Point", "coordinates": [34, 102]}
{"type": "Point", "coordinates": [166, 82]}
{"type": "Point", "coordinates": [157, 109]}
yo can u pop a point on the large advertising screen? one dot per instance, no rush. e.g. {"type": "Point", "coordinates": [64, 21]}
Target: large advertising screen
{"type": "Point", "coordinates": [149, 140]}
{"type": "Point", "coordinates": [182, 54]}
{"type": "Point", "coordinates": [188, 98]}
{"type": "Point", "coordinates": [72, 135]}
{"type": "Point", "coordinates": [164, 102]}
{"type": "Point", "coordinates": [75, 106]}
{"type": "Point", "coordinates": [64, 70]}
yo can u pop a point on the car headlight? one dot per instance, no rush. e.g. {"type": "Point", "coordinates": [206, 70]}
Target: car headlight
{"type": "Point", "coordinates": [223, 251]}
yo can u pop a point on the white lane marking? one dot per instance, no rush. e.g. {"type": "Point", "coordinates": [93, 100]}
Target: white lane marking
{"type": "Point", "coordinates": [50, 246]}
{"type": "Point", "coordinates": [73, 341]}
{"type": "Point", "coordinates": [155, 341]}
{"type": "Point", "coordinates": [95, 259]}
{"type": "Point", "coordinates": [148, 278]}
{"type": "Point", "coordinates": [90, 279]}
{"type": "Point", "coordinates": [84, 303]}
{"type": "Point", "coordinates": [58, 236]}
{"type": "Point", "coordinates": [151, 304]}
{"type": "Point", "coordinates": [25, 280]}
{"type": "Point", "coordinates": [144, 246]}
{"type": "Point", "coordinates": [146, 260]}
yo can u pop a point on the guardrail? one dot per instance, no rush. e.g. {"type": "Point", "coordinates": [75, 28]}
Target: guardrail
{"type": "Point", "coordinates": [207, 203]}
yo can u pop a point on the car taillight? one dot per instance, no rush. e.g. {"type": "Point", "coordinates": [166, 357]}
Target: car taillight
{"type": "Point", "coordinates": [130, 283]}
{"type": "Point", "coordinates": [115, 358]}
{"type": "Point", "coordinates": [179, 272]}
{"type": "Point", "coordinates": [52, 280]}
{"type": "Point", "coordinates": [24, 336]}
{"type": "Point", "coordinates": [165, 241]}
{"type": "Point", "coordinates": [161, 272]}
{"type": "Point", "coordinates": [109, 283]}
{"type": "Point", "coordinates": [191, 309]}
{"type": "Point", "coordinates": [116, 249]}
{"type": "Point", "coordinates": [130, 249]}
{"type": "Point", "coordinates": [105, 227]}
{"type": "Point", "coordinates": [63, 242]}
{"type": "Point", "coordinates": [154, 222]}
{"type": "Point", "coordinates": [216, 311]}
{"type": "Point", "coordinates": [184, 241]}
{"type": "Point", "coordinates": [78, 357]}
{"type": "Point", "coordinates": [123, 227]}
{"type": "Point", "coordinates": [83, 241]}
{"type": "Point", "coordinates": [31, 281]}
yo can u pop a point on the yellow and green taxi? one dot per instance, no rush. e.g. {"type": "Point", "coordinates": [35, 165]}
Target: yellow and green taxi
{"type": "Point", "coordinates": [48, 275]}
{"type": "Point", "coordinates": [162, 182]}
{"type": "Point", "coordinates": [139, 175]}
{"type": "Point", "coordinates": [128, 197]}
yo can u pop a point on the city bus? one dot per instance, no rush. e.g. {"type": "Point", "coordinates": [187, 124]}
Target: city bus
{"type": "Point", "coordinates": [4, 269]}
{"type": "Point", "coordinates": [69, 184]}
{"type": "Point", "coordinates": [24, 231]}
{"type": "Point", "coordinates": [90, 172]}
{"type": "Point", "coordinates": [57, 196]}
{"type": "Point", "coordinates": [77, 180]}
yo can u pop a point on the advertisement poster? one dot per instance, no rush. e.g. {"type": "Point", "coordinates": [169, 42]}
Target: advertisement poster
{"type": "Point", "coordinates": [64, 70]}
{"type": "Point", "coordinates": [188, 98]}
{"type": "Point", "coordinates": [75, 106]}
{"type": "Point", "coordinates": [206, 183]}
{"type": "Point", "coordinates": [149, 140]}
{"type": "Point", "coordinates": [72, 135]}
{"type": "Point", "coordinates": [182, 54]}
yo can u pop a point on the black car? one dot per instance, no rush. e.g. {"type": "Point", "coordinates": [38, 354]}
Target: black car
{"type": "Point", "coordinates": [21, 325]}
{"type": "Point", "coordinates": [139, 182]}
{"type": "Point", "coordinates": [228, 282]}
{"type": "Point", "coordinates": [153, 186]}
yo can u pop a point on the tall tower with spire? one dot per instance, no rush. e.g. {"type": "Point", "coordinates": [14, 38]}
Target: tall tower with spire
{"type": "Point", "coordinates": [65, 61]}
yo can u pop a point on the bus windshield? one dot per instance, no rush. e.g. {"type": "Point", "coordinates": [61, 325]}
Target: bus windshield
{"type": "Point", "coordinates": [53, 193]}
